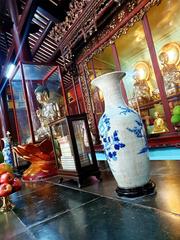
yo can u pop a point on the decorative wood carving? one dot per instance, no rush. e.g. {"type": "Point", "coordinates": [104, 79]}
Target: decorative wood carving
{"type": "Point", "coordinates": [127, 9]}
{"type": "Point", "coordinates": [80, 22]}
{"type": "Point", "coordinates": [87, 101]}
{"type": "Point", "coordinates": [75, 9]}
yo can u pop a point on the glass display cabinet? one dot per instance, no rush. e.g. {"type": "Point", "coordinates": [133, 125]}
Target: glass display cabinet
{"type": "Point", "coordinates": [73, 148]}
{"type": "Point", "coordinates": [152, 67]}
{"type": "Point", "coordinates": [37, 98]}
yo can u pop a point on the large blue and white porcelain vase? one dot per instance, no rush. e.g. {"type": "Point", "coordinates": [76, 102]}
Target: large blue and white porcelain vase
{"type": "Point", "coordinates": [122, 134]}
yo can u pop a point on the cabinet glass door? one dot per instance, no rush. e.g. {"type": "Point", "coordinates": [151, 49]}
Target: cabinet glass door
{"type": "Point", "coordinates": [140, 81]}
{"type": "Point", "coordinates": [20, 109]}
{"type": "Point", "coordinates": [82, 142]}
{"type": "Point", "coordinates": [167, 45]}
{"type": "Point", "coordinates": [63, 145]}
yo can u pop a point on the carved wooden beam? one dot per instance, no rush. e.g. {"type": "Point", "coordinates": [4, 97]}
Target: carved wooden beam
{"type": "Point", "coordinates": [42, 38]}
{"type": "Point", "coordinates": [119, 25]}
{"type": "Point", "coordinates": [54, 11]}
{"type": "Point", "coordinates": [25, 18]}
{"type": "Point", "coordinates": [23, 26]}
{"type": "Point", "coordinates": [80, 23]}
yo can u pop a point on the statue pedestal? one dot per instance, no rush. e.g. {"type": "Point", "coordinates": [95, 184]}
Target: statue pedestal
{"type": "Point", "coordinates": [41, 157]}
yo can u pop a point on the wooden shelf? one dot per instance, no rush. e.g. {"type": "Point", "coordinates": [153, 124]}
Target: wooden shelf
{"type": "Point", "coordinates": [177, 95]}
{"type": "Point", "coordinates": [150, 104]}
{"type": "Point", "coordinates": [164, 140]}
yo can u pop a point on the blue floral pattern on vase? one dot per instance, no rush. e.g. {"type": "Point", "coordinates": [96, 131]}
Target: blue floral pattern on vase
{"type": "Point", "coordinates": [126, 110]}
{"type": "Point", "coordinates": [138, 132]}
{"type": "Point", "coordinates": [143, 150]}
{"type": "Point", "coordinates": [112, 143]}
{"type": "Point", "coordinates": [104, 124]}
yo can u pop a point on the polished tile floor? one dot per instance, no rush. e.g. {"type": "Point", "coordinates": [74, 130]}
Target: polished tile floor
{"type": "Point", "coordinates": [48, 210]}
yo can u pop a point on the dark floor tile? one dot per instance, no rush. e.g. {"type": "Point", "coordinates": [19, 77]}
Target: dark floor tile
{"type": "Point", "coordinates": [22, 236]}
{"type": "Point", "coordinates": [108, 219]}
{"type": "Point", "coordinates": [47, 202]}
{"type": "Point", "coordinates": [167, 196]}
{"type": "Point", "coordinates": [29, 187]}
{"type": "Point", "coordinates": [164, 168]}
{"type": "Point", "coordinates": [10, 225]}
{"type": "Point", "coordinates": [106, 187]}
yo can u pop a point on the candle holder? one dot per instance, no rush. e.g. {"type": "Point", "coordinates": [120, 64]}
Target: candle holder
{"type": "Point", "coordinates": [9, 184]}
{"type": "Point", "coordinates": [7, 204]}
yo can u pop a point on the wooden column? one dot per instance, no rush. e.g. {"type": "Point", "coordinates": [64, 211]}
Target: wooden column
{"type": "Point", "coordinates": [91, 106]}
{"type": "Point", "coordinates": [94, 73]}
{"type": "Point", "coordinates": [88, 91]}
{"type": "Point", "coordinates": [21, 44]}
{"type": "Point", "coordinates": [83, 97]}
{"type": "Point", "coordinates": [63, 91]}
{"type": "Point", "coordinates": [76, 95]}
{"type": "Point", "coordinates": [157, 71]}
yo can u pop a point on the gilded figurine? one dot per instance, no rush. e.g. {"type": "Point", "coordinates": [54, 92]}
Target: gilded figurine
{"type": "Point", "coordinates": [170, 74]}
{"type": "Point", "coordinates": [48, 112]}
{"type": "Point", "coordinates": [141, 90]}
{"type": "Point", "coordinates": [159, 124]}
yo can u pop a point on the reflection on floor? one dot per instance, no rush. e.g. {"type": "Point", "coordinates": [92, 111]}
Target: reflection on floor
{"type": "Point", "coordinates": [49, 210]}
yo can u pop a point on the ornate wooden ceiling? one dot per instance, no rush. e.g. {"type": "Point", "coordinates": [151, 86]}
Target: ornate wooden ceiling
{"type": "Point", "coordinates": [56, 30]}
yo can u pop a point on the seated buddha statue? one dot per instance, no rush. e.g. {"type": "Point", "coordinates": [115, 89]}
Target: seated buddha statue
{"type": "Point", "coordinates": [141, 90]}
{"type": "Point", "coordinates": [159, 124]}
{"type": "Point", "coordinates": [48, 112]}
{"type": "Point", "coordinates": [170, 74]}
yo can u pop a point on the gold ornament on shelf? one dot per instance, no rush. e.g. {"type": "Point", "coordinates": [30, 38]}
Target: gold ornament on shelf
{"type": "Point", "coordinates": [159, 124]}
{"type": "Point", "coordinates": [156, 94]}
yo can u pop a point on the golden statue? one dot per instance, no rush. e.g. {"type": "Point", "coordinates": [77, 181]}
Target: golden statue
{"type": "Point", "coordinates": [159, 124]}
{"type": "Point", "coordinates": [142, 90]}
{"type": "Point", "coordinates": [48, 112]}
{"type": "Point", "coordinates": [156, 94]}
{"type": "Point", "coordinates": [170, 74]}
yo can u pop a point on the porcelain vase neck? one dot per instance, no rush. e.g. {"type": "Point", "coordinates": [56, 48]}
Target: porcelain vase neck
{"type": "Point", "coordinates": [109, 84]}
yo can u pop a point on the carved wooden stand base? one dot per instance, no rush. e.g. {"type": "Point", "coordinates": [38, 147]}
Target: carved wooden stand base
{"type": "Point", "coordinates": [7, 205]}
